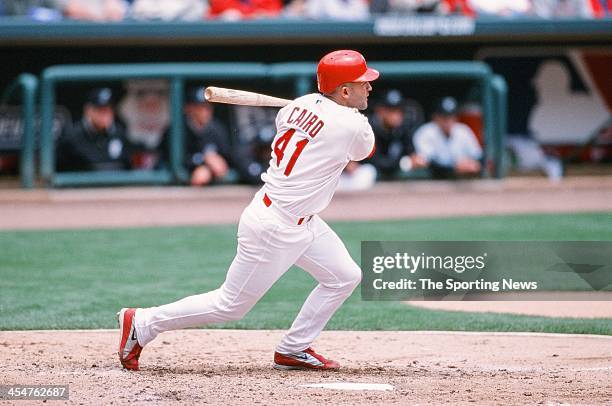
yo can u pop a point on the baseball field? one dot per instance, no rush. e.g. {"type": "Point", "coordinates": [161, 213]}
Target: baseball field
{"type": "Point", "coordinates": [72, 258]}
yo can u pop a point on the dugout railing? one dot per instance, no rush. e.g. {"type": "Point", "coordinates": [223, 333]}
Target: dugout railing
{"type": "Point", "coordinates": [27, 84]}
{"type": "Point", "coordinates": [491, 90]}
{"type": "Point", "coordinates": [175, 73]}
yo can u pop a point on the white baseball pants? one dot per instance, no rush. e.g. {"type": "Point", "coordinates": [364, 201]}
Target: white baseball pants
{"type": "Point", "coordinates": [269, 242]}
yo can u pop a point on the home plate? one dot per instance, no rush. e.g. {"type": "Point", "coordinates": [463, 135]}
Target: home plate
{"type": "Point", "coordinates": [350, 386]}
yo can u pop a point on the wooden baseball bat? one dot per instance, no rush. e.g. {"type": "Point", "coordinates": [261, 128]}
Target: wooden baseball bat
{"type": "Point", "coordinates": [243, 98]}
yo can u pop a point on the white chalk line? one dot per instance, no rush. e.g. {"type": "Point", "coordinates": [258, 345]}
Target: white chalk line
{"type": "Point", "coordinates": [350, 386]}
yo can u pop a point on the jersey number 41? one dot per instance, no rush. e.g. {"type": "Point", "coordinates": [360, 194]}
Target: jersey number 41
{"type": "Point", "coordinates": [281, 145]}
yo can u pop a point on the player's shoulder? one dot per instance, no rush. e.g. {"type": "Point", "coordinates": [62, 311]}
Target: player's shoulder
{"type": "Point", "coordinates": [306, 101]}
{"type": "Point", "coordinates": [360, 119]}
{"type": "Point", "coordinates": [311, 98]}
{"type": "Point", "coordinates": [326, 104]}
{"type": "Point", "coordinates": [340, 117]}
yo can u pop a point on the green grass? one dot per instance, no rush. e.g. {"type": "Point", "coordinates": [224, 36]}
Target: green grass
{"type": "Point", "coordinates": [79, 278]}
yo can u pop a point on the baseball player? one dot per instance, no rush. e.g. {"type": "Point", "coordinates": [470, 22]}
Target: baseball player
{"type": "Point", "coordinates": [317, 136]}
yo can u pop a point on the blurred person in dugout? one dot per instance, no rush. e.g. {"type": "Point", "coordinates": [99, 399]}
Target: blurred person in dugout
{"type": "Point", "coordinates": [252, 158]}
{"type": "Point", "coordinates": [449, 148]}
{"type": "Point", "coordinates": [393, 130]}
{"type": "Point", "coordinates": [357, 176]}
{"type": "Point", "coordinates": [97, 141]}
{"type": "Point", "coordinates": [145, 111]}
{"type": "Point", "coordinates": [207, 150]}
{"type": "Point", "coordinates": [254, 129]}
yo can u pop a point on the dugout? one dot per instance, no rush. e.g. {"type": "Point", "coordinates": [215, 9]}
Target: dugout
{"type": "Point", "coordinates": [489, 88]}
{"type": "Point", "coordinates": [29, 46]}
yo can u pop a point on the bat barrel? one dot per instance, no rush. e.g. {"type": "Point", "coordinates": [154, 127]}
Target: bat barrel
{"type": "Point", "coordinates": [241, 97]}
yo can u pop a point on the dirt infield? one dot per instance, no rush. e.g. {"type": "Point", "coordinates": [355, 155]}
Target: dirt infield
{"type": "Point", "coordinates": [558, 304]}
{"type": "Point", "coordinates": [156, 206]}
{"type": "Point", "coordinates": [234, 367]}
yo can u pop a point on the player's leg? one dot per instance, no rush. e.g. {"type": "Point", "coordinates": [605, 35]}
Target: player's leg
{"type": "Point", "coordinates": [265, 251]}
{"type": "Point", "coordinates": [328, 261]}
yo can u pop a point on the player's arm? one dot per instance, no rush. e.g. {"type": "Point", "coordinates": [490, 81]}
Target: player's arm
{"type": "Point", "coordinates": [363, 142]}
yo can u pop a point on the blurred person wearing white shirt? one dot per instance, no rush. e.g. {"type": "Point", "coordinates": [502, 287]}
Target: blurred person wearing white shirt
{"type": "Point", "coordinates": [448, 147]}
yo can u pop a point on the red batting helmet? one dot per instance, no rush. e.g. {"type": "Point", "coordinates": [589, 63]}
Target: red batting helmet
{"type": "Point", "coordinates": [340, 67]}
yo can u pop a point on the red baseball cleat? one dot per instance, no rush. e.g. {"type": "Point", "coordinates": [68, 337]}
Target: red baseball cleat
{"type": "Point", "coordinates": [129, 349]}
{"type": "Point", "coordinates": [307, 359]}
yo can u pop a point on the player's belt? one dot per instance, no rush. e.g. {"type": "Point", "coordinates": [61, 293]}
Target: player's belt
{"type": "Point", "coordinates": [300, 220]}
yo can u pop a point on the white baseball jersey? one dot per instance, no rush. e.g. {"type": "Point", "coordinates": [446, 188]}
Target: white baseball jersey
{"type": "Point", "coordinates": [315, 140]}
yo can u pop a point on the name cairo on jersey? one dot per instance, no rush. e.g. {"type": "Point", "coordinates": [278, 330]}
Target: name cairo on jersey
{"type": "Point", "coordinates": [306, 121]}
